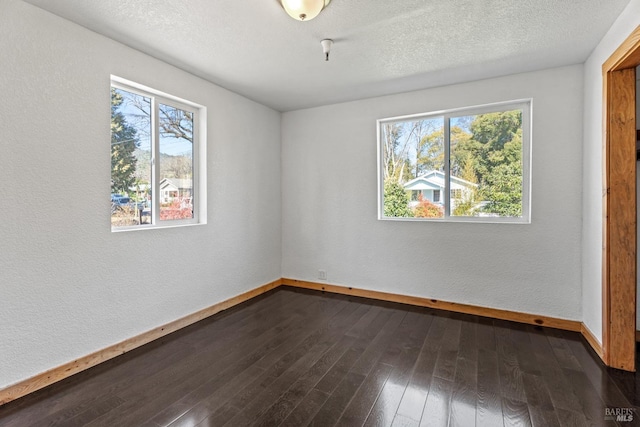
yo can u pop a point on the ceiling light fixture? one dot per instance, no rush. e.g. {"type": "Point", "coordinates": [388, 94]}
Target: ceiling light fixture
{"type": "Point", "coordinates": [326, 47]}
{"type": "Point", "coordinates": [304, 10]}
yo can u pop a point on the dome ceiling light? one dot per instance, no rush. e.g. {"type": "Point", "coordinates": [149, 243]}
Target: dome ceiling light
{"type": "Point", "coordinates": [304, 10]}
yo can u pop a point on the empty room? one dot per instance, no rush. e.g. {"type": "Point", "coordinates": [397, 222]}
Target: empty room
{"type": "Point", "coordinates": [319, 212]}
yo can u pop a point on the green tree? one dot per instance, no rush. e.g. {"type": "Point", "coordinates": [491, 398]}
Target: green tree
{"type": "Point", "coordinates": [463, 150]}
{"type": "Point", "coordinates": [431, 153]}
{"type": "Point", "coordinates": [503, 185]}
{"type": "Point", "coordinates": [491, 132]}
{"type": "Point", "coordinates": [494, 130]}
{"type": "Point", "coordinates": [466, 204]}
{"type": "Point", "coordinates": [123, 145]}
{"type": "Point", "coordinates": [496, 145]}
{"type": "Point", "coordinates": [396, 200]}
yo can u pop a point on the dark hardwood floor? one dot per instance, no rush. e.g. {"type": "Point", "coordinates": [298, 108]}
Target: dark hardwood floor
{"type": "Point", "coordinates": [293, 358]}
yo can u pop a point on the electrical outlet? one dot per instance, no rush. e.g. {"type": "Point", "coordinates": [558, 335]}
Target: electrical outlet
{"type": "Point", "coordinates": [322, 275]}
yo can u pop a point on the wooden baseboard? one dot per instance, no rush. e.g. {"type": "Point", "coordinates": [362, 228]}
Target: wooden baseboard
{"type": "Point", "coordinates": [514, 316]}
{"type": "Point", "coordinates": [592, 340]}
{"type": "Point", "coordinates": [51, 376]}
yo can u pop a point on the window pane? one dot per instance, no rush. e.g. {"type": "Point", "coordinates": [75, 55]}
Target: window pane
{"type": "Point", "coordinates": [176, 163]}
{"type": "Point", "coordinates": [413, 162]}
{"type": "Point", "coordinates": [486, 165]}
{"type": "Point", "coordinates": [130, 158]}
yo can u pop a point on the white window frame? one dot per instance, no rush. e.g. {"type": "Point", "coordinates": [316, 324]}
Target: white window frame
{"type": "Point", "coordinates": [198, 192]}
{"type": "Point", "coordinates": [526, 105]}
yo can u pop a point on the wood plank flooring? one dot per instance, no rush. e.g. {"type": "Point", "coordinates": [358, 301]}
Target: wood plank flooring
{"type": "Point", "coordinates": [294, 357]}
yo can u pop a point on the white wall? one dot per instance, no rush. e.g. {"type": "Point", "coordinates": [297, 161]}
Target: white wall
{"type": "Point", "coordinates": [329, 204]}
{"type": "Point", "coordinates": [592, 167]}
{"type": "Point", "coordinates": [68, 286]}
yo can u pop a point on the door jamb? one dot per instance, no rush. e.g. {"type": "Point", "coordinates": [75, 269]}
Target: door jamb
{"type": "Point", "coordinates": [619, 214]}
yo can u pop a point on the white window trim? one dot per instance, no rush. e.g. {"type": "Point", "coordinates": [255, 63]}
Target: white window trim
{"type": "Point", "coordinates": [199, 191]}
{"type": "Point", "coordinates": [526, 105]}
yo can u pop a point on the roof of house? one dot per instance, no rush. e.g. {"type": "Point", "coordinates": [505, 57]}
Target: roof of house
{"type": "Point", "coordinates": [178, 183]}
{"type": "Point", "coordinates": [434, 180]}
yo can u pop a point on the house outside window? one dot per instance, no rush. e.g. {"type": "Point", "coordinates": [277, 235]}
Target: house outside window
{"type": "Point", "coordinates": [467, 164]}
{"type": "Point", "coordinates": [157, 174]}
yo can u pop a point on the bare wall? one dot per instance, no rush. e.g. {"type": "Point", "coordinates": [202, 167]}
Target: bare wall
{"type": "Point", "coordinates": [69, 286]}
{"type": "Point", "coordinates": [329, 204]}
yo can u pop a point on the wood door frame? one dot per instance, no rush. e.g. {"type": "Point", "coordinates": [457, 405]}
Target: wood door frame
{"type": "Point", "coordinates": [619, 205]}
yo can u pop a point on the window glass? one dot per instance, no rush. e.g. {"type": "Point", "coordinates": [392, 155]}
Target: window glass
{"type": "Point", "coordinates": [176, 163]}
{"type": "Point", "coordinates": [154, 153]}
{"type": "Point", "coordinates": [486, 164]}
{"type": "Point", "coordinates": [130, 156]}
{"type": "Point", "coordinates": [464, 164]}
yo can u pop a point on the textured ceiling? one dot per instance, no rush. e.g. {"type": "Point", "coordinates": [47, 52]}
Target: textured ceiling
{"type": "Point", "coordinates": [380, 46]}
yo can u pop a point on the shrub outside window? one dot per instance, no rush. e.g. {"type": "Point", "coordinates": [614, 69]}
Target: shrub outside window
{"type": "Point", "coordinates": [155, 149]}
{"type": "Point", "coordinates": [467, 164]}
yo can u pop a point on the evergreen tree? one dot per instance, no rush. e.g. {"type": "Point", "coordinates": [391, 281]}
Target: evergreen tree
{"type": "Point", "coordinates": [503, 185]}
{"type": "Point", "coordinates": [396, 201]}
{"type": "Point", "coordinates": [123, 145]}
{"type": "Point", "coordinates": [499, 161]}
{"type": "Point", "coordinates": [491, 132]}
